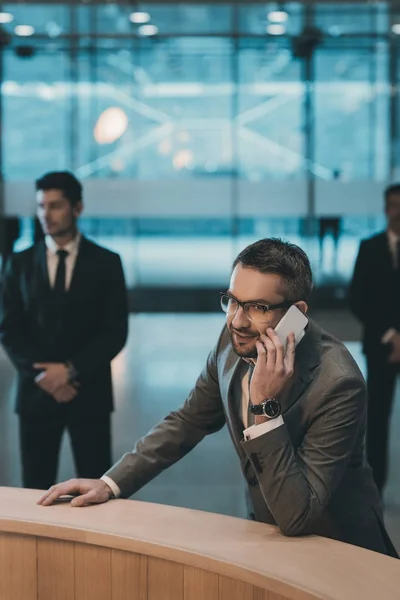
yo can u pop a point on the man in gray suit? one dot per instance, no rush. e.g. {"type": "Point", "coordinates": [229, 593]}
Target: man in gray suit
{"type": "Point", "coordinates": [296, 416]}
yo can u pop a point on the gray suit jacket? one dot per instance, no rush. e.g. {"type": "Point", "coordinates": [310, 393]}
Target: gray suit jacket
{"type": "Point", "coordinates": [307, 476]}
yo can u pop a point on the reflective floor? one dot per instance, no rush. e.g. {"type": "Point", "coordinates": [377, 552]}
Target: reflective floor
{"type": "Point", "coordinates": [153, 375]}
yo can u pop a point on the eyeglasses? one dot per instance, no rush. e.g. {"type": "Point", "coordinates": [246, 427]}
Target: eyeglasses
{"type": "Point", "coordinates": [256, 312]}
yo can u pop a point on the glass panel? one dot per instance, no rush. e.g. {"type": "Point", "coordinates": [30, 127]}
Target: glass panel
{"type": "Point", "coordinates": [36, 104]}
{"type": "Point", "coordinates": [172, 101]}
{"type": "Point", "coordinates": [254, 19]}
{"type": "Point", "coordinates": [49, 19]}
{"type": "Point", "coordinates": [270, 135]}
{"type": "Point", "coordinates": [352, 110]}
{"type": "Point", "coordinates": [175, 19]}
{"type": "Point", "coordinates": [346, 18]}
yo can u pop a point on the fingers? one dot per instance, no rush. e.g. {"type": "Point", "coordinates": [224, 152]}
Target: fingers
{"type": "Point", "coordinates": [291, 344]}
{"type": "Point", "coordinates": [61, 489]}
{"type": "Point", "coordinates": [41, 365]}
{"type": "Point", "coordinates": [261, 352]}
{"type": "Point", "coordinates": [67, 393]}
{"type": "Point", "coordinates": [279, 347]}
{"type": "Point", "coordinates": [290, 354]}
{"type": "Point", "coordinates": [92, 497]}
{"type": "Point", "coordinates": [270, 351]}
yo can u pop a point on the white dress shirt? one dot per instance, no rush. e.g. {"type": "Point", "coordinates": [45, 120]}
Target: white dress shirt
{"type": "Point", "coordinates": [52, 259]}
{"type": "Point", "coordinates": [393, 240]}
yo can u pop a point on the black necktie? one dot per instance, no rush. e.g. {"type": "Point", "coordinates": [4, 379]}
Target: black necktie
{"type": "Point", "coordinates": [59, 286]}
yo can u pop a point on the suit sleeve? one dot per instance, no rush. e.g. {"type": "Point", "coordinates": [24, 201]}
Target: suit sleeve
{"type": "Point", "coordinates": [22, 352]}
{"type": "Point", "coordinates": [298, 485]}
{"type": "Point", "coordinates": [175, 436]}
{"type": "Point", "coordinates": [363, 300]}
{"type": "Point", "coordinates": [112, 327]}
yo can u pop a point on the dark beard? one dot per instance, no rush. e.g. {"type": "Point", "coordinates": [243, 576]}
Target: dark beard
{"type": "Point", "coordinates": [243, 353]}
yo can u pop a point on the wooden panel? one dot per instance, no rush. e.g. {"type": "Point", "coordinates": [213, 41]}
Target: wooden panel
{"type": "Point", "coordinates": [266, 595]}
{"type": "Point", "coordinates": [230, 589]}
{"type": "Point", "coordinates": [55, 570]}
{"type": "Point", "coordinates": [164, 580]}
{"type": "Point", "coordinates": [92, 572]}
{"type": "Point", "coordinates": [199, 584]}
{"type": "Point", "coordinates": [18, 579]}
{"type": "Point", "coordinates": [128, 576]}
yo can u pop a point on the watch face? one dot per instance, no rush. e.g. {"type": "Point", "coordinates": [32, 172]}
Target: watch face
{"type": "Point", "coordinates": [272, 409]}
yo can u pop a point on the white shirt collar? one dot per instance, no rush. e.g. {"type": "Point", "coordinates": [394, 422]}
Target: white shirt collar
{"type": "Point", "coordinates": [72, 247]}
{"type": "Point", "coordinates": [250, 361]}
{"type": "Point", "coordinates": [393, 238]}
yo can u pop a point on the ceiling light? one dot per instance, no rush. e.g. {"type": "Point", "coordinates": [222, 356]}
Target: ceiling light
{"type": "Point", "coordinates": [139, 17]}
{"type": "Point", "coordinates": [24, 30]}
{"type": "Point", "coordinates": [6, 17]}
{"type": "Point", "coordinates": [182, 159]}
{"type": "Point", "coordinates": [396, 28]}
{"type": "Point", "coordinates": [278, 16]}
{"type": "Point", "coordinates": [148, 30]}
{"type": "Point", "coordinates": [275, 29]}
{"type": "Point", "coordinates": [111, 125]}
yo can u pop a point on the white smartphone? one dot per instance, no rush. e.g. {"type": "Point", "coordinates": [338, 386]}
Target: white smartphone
{"type": "Point", "coordinates": [293, 321]}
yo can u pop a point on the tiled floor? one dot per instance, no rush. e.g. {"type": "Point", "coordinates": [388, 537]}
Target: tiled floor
{"type": "Point", "coordinates": [153, 375]}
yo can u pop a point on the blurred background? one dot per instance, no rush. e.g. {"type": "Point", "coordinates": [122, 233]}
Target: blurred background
{"type": "Point", "coordinates": [197, 128]}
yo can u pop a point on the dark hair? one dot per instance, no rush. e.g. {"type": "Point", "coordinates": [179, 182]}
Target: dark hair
{"type": "Point", "coordinates": [64, 181]}
{"type": "Point", "coordinates": [392, 189]}
{"type": "Point", "coordinates": [272, 255]}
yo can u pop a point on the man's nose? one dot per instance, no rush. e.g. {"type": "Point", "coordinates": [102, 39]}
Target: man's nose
{"type": "Point", "coordinates": [240, 319]}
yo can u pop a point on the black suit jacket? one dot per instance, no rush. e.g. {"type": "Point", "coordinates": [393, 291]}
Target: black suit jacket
{"type": "Point", "coordinates": [372, 294]}
{"type": "Point", "coordinates": [90, 332]}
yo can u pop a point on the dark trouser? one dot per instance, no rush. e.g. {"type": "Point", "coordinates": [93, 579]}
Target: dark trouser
{"type": "Point", "coordinates": [40, 441]}
{"type": "Point", "coordinates": [381, 380]}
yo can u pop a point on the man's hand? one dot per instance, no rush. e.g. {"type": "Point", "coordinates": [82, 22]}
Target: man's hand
{"type": "Point", "coordinates": [65, 394]}
{"type": "Point", "coordinates": [394, 356]}
{"type": "Point", "coordinates": [52, 377]}
{"type": "Point", "coordinates": [87, 491]}
{"type": "Point", "coordinates": [274, 367]}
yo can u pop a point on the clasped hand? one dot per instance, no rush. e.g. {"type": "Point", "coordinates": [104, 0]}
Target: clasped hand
{"type": "Point", "coordinates": [394, 356]}
{"type": "Point", "coordinates": [54, 379]}
{"type": "Point", "coordinates": [274, 367]}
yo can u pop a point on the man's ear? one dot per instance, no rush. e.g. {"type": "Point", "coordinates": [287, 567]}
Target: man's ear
{"type": "Point", "coordinates": [77, 209]}
{"type": "Point", "coordinates": [303, 306]}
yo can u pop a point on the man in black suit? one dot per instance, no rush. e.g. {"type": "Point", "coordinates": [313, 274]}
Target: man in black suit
{"type": "Point", "coordinates": [63, 319]}
{"type": "Point", "coordinates": [375, 300]}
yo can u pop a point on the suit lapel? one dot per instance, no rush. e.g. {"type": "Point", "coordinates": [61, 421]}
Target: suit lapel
{"type": "Point", "coordinates": [78, 274]}
{"type": "Point", "coordinates": [231, 392]}
{"type": "Point", "coordinates": [383, 252]}
{"type": "Point", "coordinates": [41, 270]}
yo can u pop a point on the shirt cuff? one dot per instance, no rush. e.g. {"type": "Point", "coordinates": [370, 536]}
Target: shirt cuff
{"type": "Point", "coordinates": [388, 335]}
{"type": "Point", "coordinates": [111, 484]}
{"type": "Point", "coordinates": [256, 430]}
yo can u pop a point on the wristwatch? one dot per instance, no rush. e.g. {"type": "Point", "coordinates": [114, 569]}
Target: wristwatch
{"type": "Point", "coordinates": [270, 408]}
{"type": "Point", "coordinates": [72, 372]}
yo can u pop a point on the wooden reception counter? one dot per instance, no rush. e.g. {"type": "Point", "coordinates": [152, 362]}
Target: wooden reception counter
{"type": "Point", "coordinates": [139, 551]}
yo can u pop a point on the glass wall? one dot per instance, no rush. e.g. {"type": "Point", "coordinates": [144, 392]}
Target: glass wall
{"type": "Point", "coordinates": [199, 128]}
